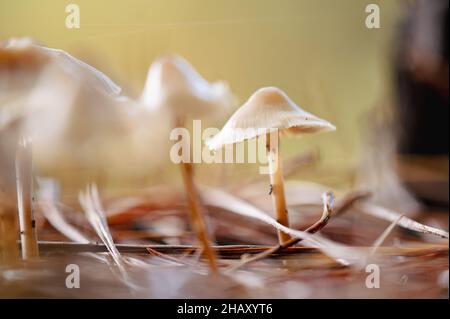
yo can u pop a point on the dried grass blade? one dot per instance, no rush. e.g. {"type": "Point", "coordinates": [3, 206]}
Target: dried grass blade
{"type": "Point", "coordinates": [46, 195]}
{"type": "Point", "coordinates": [343, 254]}
{"type": "Point", "coordinates": [405, 222]}
{"type": "Point", "coordinates": [328, 206]}
{"type": "Point", "coordinates": [90, 203]}
{"type": "Point", "coordinates": [380, 240]}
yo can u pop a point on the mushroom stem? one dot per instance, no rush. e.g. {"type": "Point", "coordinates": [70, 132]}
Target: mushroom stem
{"type": "Point", "coordinates": [196, 209]}
{"type": "Point", "coordinates": [277, 183]}
{"type": "Point", "coordinates": [24, 181]}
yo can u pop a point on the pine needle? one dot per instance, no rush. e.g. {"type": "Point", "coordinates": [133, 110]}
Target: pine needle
{"type": "Point", "coordinates": [90, 203]}
{"type": "Point", "coordinates": [46, 195]}
{"type": "Point", "coordinates": [380, 240]}
{"type": "Point", "coordinates": [328, 206]}
{"type": "Point", "coordinates": [343, 254]}
{"type": "Point", "coordinates": [405, 222]}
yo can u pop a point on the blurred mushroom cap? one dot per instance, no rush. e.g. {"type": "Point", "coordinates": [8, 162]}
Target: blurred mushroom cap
{"type": "Point", "coordinates": [75, 118]}
{"type": "Point", "coordinates": [173, 83]}
{"type": "Point", "coordinates": [23, 52]}
{"type": "Point", "coordinates": [267, 109]}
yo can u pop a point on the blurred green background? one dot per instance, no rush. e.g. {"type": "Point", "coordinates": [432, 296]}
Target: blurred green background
{"type": "Point", "coordinates": [319, 52]}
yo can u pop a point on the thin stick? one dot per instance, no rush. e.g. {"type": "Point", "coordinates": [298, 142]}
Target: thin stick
{"type": "Point", "coordinates": [230, 251]}
{"type": "Point", "coordinates": [225, 251]}
{"type": "Point", "coordinates": [379, 241]}
{"type": "Point", "coordinates": [170, 258]}
{"type": "Point", "coordinates": [277, 183]}
{"type": "Point", "coordinates": [24, 182]}
{"type": "Point", "coordinates": [328, 203]}
{"type": "Point", "coordinates": [328, 211]}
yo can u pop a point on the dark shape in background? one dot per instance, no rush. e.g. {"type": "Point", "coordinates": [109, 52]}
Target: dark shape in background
{"type": "Point", "coordinates": [422, 80]}
{"type": "Point", "coordinates": [421, 69]}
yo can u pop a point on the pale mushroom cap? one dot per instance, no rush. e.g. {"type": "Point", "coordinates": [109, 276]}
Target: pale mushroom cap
{"type": "Point", "coordinates": [74, 117]}
{"type": "Point", "coordinates": [173, 83]}
{"type": "Point", "coordinates": [25, 50]}
{"type": "Point", "coordinates": [268, 108]}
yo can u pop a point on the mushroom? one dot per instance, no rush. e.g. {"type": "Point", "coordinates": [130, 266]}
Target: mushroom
{"type": "Point", "coordinates": [174, 84]}
{"type": "Point", "coordinates": [29, 58]}
{"type": "Point", "coordinates": [88, 125]}
{"type": "Point", "coordinates": [270, 112]}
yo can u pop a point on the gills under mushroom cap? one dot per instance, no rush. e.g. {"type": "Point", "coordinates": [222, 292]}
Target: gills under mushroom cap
{"type": "Point", "coordinates": [267, 109]}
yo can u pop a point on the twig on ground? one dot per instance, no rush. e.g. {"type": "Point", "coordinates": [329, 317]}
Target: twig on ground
{"type": "Point", "coordinates": [328, 202]}
{"type": "Point", "coordinates": [225, 251]}
{"type": "Point", "coordinates": [172, 259]}
{"type": "Point", "coordinates": [328, 211]}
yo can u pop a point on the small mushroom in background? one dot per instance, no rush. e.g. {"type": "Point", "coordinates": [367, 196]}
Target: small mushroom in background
{"type": "Point", "coordinates": [22, 58]}
{"type": "Point", "coordinates": [80, 126]}
{"type": "Point", "coordinates": [270, 112]}
{"type": "Point", "coordinates": [172, 83]}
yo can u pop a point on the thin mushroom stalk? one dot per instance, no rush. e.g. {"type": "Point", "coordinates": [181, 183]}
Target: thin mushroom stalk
{"type": "Point", "coordinates": [24, 181]}
{"type": "Point", "coordinates": [173, 84]}
{"type": "Point", "coordinates": [196, 214]}
{"type": "Point", "coordinates": [270, 110]}
{"type": "Point", "coordinates": [196, 209]}
{"type": "Point", "coordinates": [277, 183]}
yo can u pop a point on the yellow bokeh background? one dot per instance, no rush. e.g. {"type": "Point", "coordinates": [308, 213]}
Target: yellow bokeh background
{"type": "Point", "coordinates": [319, 51]}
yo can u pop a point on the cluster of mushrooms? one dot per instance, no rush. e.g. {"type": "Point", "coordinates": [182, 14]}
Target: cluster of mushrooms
{"type": "Point", "coordinates": [172, 82]}
{"type": "Point", "coordinates": [173, 94]}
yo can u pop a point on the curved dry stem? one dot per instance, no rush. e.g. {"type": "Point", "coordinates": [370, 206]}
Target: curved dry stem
{"type": "Point", "coordinates": [328, 211]}
{"type": "Point", "coordinates": [328, 205]}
